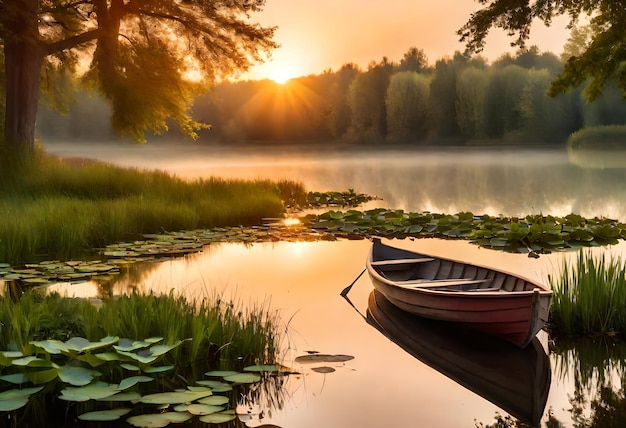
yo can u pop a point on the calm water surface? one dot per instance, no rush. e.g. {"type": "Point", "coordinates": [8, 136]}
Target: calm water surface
{"type": "Point", "coordinates": [383, 385]}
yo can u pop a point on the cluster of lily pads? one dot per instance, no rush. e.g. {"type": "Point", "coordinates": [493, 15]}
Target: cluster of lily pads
{"type": "Point", "coordinates": [533, 234]}
{"type": "Point", "coordinates": [337, 199]}
{"type": "Point", "coordinates": [74, 370]}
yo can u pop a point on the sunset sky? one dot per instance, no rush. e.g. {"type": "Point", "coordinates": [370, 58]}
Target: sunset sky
{"type": "Point", "coordinates": [325, 34]}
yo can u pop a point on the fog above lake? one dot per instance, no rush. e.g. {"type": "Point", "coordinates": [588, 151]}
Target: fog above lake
{"type": "Point", "coordinates": [508, 181]}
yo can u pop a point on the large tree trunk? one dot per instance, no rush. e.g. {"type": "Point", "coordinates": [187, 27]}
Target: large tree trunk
{"type": "Point", "coordinates": [23, 58]}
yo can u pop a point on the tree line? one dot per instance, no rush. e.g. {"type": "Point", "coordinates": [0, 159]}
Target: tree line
{"type": "Point", "coordinates": [458, 99]}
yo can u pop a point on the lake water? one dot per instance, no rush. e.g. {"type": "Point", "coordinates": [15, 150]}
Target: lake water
{"type": "Point", "coordinates": [384, 385]}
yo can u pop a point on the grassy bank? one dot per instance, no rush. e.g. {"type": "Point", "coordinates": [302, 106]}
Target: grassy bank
{"type": "Point", "coordinates": [64, 358]}
{"type": "Point", "coordinates": [589, 296]}
{"type": "Point", "coordinates": [53, 207]}
{"type": "Point", "coordinates": [599, 137]}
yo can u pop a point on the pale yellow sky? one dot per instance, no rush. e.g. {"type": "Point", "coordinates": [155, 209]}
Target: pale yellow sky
{"type": "Point", "coordinates": [316, 35]}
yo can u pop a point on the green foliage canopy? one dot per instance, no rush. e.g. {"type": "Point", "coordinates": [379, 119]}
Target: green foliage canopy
{"type": "Point", "coordinates": [600, 59]}
{"type": "Point", "coordinates": [143, 53]}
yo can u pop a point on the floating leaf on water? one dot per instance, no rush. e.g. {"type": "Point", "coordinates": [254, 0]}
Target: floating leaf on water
{"type": "Point", "coordinates": [122, 396]}
{"type": "Point", "coordinates": [19, 393]}
{"type": "Point", "coordinates": [131, 381]}
{"type": "Point", "coordinates": [159, 369]}
{"type": "Point", "coordinates": [130, 367]}
{"type": "Point", "coordinates": [51, 346]}
{"type": "Point", "coordinates": [174, 397]}
{"type": "Point", "coordinates": [214, 400]}
{"type": "Point", "coordinates": [243, 378]}
{"type": "Point", "coordinates": [95, 391]}
{"type": "Point", "coordinates": [220, 373]}
{"type": "Point", "coordinates": [104, 415]}
{"type": "Point", "coordinates": [217, 418]}
{"type": "Point", "coordinates": [155, 420]}
{"type": "Point", "coordinates": [12, 404]}
{"type": "Point", "coordinates": [323, 358]}
{"type": "Point", "coordinates": [77, 376]}
{"type": "Point", "coordinates": [215, 385]}
{"type": "Point", "coordinates": [15, 378]}
{"type": "Point", "coordinates": [203, 409]}
{"type": "Point", "coordinates": [42, 376]}
{"type": "Point", "coordinates": [33, 361]}
{"type": "Point", "coordinates": [262, 368]}
{"type": "Point", "coordinates": [323, 369]}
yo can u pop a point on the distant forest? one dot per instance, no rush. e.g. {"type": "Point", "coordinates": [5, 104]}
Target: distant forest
{"type": "Point", "coordinates": [458, 100]}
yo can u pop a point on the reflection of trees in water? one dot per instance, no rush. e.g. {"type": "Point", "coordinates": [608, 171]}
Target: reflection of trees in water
{"type": "Point", "coordinates": [500, 182]}
{"type": "Point", "coordinates": [134, 275]}
{"type": "Point", "coordinates": [598, 368]}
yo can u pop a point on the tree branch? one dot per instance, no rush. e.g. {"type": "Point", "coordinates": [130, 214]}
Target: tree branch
{"type": "Point", "coordinates": [71, 42]}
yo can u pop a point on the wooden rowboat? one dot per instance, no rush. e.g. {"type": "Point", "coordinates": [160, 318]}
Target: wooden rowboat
{"type": "Point", "coordinates": [485, 299]}
{"type": "Point", "coordinates": [516, 380]}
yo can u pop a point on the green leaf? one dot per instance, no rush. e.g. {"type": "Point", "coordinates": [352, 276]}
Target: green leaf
{"type": "Point", "coordinates": [158, 419]}
{"type": "Point", "coordinates": [19, 393]}
{"type": "Point", "coordinates": [77, 376]}
{"type": "Point", "coordinates": [43, 376]}
{"type": "Point", "coordinates": [176, 397]}
{"type": "Point", "coordinates": [203, 409]}
{"type": "Point", "coordinates": [13, 404]}
{"type": "Point", "coordinates": [15, 378]}
{"type": "Point", "coordinates": [262, 368]}
{"type": "Point", "coordinates": [214, 400]}
{"type": "Point", "coordinates": [104, 415]}
{"type": "Point", "coordinates": [243, 378]}
{"type": "Point", "coordinates": [217, 418]}
{"type": "Point", "coordinates": [122, 396]}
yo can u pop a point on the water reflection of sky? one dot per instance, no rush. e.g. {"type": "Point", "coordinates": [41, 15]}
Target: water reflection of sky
{"type": "Point", "coordinates": [383, 385]}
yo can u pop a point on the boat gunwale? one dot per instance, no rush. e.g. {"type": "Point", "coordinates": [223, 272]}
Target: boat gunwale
{"type": "Point", "coordinates": [543, 289]}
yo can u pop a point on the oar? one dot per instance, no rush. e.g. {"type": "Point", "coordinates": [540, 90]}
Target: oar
{"type": "Point", "coordinates": [346, 290]}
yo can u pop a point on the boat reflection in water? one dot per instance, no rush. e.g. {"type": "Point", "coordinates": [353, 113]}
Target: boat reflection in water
{"type": "Point", "coordinates": [516, 380]}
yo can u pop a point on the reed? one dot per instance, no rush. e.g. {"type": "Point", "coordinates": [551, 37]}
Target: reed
{"type": "Point", "coordinates": [216, 332]}
{"type": "Point", "coordinates": [57, 208]}
{"type": "Point", "coordinates": [598, 138]}
{"type": "Point", "coordinates": [589, 296]}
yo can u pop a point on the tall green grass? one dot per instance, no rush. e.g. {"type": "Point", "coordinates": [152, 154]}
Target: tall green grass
{"type": "Point", "coordinates": [598, 137]}
{"type": "Point", "coordinates": [220, 333]}
{"type": "Point", "coordinates": [54, 208]}
{"type": "Point", "coordinates": [589, 295]}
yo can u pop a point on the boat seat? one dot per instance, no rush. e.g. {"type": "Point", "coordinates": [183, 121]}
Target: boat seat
{"type": "Point", "coordinates": [484, 289]}
{"type": "Point", "coordinates": [438, 283]}
{"type": "Point", "coordinates": [379, 263]}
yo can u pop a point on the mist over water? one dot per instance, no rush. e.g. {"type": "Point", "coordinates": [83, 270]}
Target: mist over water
{"type": "Point", "coordinates": [511, 182]}
{"type": "Point", "coordinates": [383, 385]}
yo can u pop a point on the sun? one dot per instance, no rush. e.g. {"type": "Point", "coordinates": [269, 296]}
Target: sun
{"type": "Point", "coordinates": [281, 75]}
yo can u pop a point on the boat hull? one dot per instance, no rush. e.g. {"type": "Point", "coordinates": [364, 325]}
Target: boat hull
{"type": "Point", "coordinates": [500, 304]}
{"type": "Point", "coordinates": [516, 380]}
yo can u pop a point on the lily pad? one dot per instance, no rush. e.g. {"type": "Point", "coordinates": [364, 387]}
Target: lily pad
{"type": "Point", "coordinates": [12, 404]}
{"type": "Point", "coordinates": [203, 409]}
{"type": "Point", "coordinates": [220, 373]}
{"type": "Point", "coordinates": [158, 419]}
{"type": "Point", "coordinates": [104, 415]}
{"type": "Point", "coordinates": [217, 418]}
{"type": "Point", "coordinates": [262, 368]}
{"type": "Point", "coordinates": [243, 378]}
{"type": "Point", "coordinates": [323, 358]}
{"type": "Point", "coordinates": [122, 396]}
{"type": "Point", "coordinates": [214, 400]}
{"type": "Point", "coordinates": [77, 376]}
{"type": "Point", "coordinates": [15, 378]}
{"type": "Point", "coordinates": [175, 397]}
{"type": "Point", "coordinates": [323, 369]}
